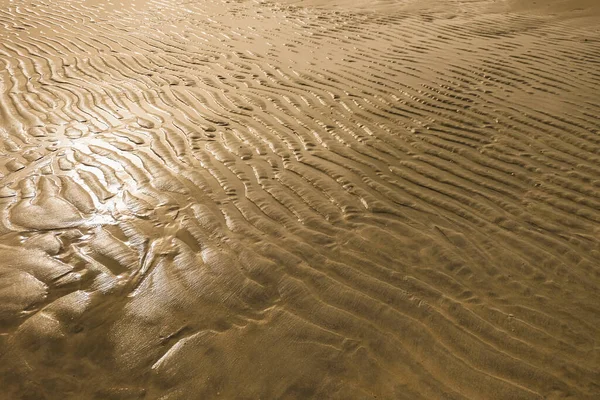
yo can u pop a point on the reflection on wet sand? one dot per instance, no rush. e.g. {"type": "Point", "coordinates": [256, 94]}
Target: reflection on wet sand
{"type": "Point", "coordinates": [248, 199]}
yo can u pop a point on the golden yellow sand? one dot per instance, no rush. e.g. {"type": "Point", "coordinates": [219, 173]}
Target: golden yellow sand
{"type": "Point", "coordinates": [302, 200]}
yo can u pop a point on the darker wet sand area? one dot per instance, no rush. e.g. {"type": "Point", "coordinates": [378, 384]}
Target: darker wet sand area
{"type": "Point", "coordinates": [299, 200]}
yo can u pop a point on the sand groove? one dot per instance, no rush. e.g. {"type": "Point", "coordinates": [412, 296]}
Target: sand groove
{"type": "Point", "coordinates": [256, 200]}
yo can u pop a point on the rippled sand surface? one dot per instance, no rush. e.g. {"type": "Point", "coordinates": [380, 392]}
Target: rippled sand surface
{"type": "Point", "coordinates": [331, 200]}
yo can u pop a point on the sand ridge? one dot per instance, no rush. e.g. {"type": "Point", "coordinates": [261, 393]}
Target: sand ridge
{"type": "Point", "coordinates": [250, 199]}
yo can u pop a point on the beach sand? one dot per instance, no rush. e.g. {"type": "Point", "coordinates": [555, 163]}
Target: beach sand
{"type": "Point", "coordinates": [299, 200]}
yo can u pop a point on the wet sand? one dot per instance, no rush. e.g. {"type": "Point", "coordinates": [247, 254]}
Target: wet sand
{"type": "Point", "coordinates": [330, 200]}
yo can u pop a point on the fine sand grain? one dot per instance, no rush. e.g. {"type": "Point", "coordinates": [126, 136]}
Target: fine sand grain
{"type": "Point", "coordinates": [302, 200]}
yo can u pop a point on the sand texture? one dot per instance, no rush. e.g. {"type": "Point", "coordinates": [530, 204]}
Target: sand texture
{"type": "Point", "coordinates": [300, 200]}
